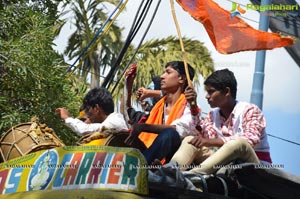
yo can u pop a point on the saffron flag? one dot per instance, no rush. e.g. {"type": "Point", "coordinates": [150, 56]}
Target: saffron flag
{"type": "Point", "coordinates": [231, 34]}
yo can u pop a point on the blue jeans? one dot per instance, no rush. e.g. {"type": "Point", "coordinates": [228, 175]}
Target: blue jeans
{"type": "Point", "coordinates": [164, 146]}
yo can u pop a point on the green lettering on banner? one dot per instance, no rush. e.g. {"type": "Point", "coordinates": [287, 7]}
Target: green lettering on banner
{"type": "Point", "coordinates": [84, 168]}
{"type": "Point", "coordinates": [130, 170]}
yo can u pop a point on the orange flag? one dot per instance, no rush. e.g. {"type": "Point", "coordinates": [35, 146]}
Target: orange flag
{"type": "Point", "coordinates": [231, 34]}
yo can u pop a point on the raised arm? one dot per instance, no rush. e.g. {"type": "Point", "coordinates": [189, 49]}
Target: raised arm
{"type": "Point", "coordinates": [143, 93]}
{"type": "Point", "coordinates": [126, 98]}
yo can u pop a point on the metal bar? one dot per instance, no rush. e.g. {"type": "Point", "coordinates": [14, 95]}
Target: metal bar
{"type": "Point", "coordinates": [259, 75]}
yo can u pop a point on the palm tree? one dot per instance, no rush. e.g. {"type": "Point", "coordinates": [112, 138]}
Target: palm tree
{"type": "Point", "coordinates": [154, 54]}
{"type": "Point", "coordinates": [88, 17]}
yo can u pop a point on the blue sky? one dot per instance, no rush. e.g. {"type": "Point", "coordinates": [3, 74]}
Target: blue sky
{"type": "Point", "coordinates": [281, 104]}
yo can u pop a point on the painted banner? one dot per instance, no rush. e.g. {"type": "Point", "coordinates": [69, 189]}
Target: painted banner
{"type": "Point", "coordinates": [76, 167]}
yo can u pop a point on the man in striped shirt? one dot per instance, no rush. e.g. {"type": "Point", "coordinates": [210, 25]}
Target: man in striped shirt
{"type": "Point", "coordinates": [232, 129]}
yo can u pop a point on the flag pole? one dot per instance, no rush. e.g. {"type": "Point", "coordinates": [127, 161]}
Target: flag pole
{"type": "Point", "coordinates": [181, 44]}
{"type": "Point", "coordinates": [259, 75]}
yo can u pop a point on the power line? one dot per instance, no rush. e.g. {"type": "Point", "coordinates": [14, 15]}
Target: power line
{"type": "Point", "coordinates": [140, 43]}
{"type": "Point", "coordinates": [249, 19]}
{"type": "Point", "coordinates": [95, 36]}
{"type": "Point", "coordinates": [274, 136]}
{"type": "Point", "coordinates": [283, 139]}
{"type": "Point", "coordinates": [137, 22]}
{"type": "Point", "coordinates": [205, 113]}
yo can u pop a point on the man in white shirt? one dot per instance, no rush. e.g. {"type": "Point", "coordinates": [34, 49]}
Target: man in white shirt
{"type": "Point", "coordinates": [99, 108]}
{"type": "Point", "coordinates": [232, 130]}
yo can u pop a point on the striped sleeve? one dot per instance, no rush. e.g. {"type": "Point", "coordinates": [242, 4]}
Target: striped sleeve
{"type": "Point", "coordinates": [253, 124]}
{"type": "Point", "coordinates": [208, 130]}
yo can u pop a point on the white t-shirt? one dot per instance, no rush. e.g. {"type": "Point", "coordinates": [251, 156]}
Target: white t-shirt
{"type": "Point", "coordinates": [113, 121]}
{"type": "Point", "coordinates": [183, 124]}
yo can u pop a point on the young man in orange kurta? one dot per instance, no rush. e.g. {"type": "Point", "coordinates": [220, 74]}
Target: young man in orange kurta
{"type": "Point", "coordinates": [165, 126]}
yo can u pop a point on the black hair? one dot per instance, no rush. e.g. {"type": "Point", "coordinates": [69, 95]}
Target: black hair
{"type": "Point", "coordinates": [156, 81]}
{"type": "Point", "coordinates": [221, 79]}
{"type": "Point", "coordinates": [100, 96]}
{"type": "Point", "coordinates": [179, 67]}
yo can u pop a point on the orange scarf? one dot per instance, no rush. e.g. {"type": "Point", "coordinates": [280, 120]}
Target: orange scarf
{"type": "Point", "coordinates": [157, 114]}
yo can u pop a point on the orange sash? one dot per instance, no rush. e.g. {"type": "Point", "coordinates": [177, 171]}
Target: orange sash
{"type": "Point", "coordinates": [157, 114]}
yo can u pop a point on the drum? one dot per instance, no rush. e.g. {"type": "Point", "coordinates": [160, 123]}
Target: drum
{"type": "Point", "coordinates": [109, 137]}
{"type": "Point", "coordinates": [26, 138]}
{"type": "Point", "coordinates": [104, 138]}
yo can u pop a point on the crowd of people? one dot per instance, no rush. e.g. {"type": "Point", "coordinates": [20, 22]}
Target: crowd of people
{"type": "Point", "coordinates": [172, 128]}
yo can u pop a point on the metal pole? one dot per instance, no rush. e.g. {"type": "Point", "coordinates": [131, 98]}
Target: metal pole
{"type": "Point", "coordinates": [259, 75]}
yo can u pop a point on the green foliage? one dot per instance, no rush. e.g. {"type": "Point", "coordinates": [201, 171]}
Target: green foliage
{"type": "Point", "coordinates": [154, 54]}
{"type": "Point", "coordinates": [46, 7]}
{"type": "Point", "coordinates": [32, 75]}
{"type": "Point", "coordinates": [33, 78]}
{"type": "Point", "coordinates": [88, 18]}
